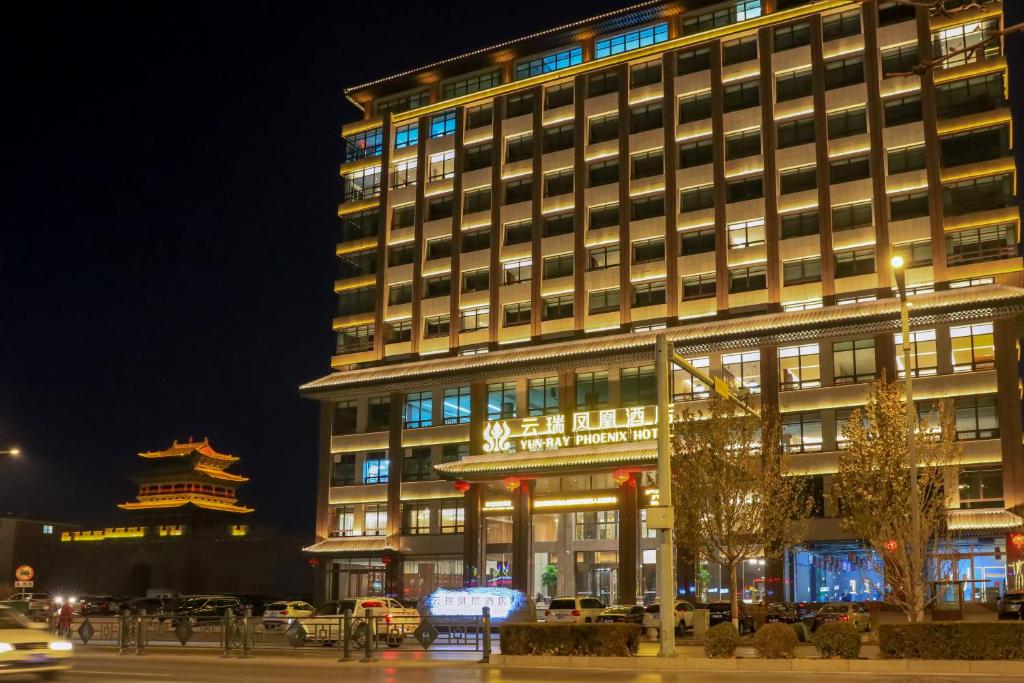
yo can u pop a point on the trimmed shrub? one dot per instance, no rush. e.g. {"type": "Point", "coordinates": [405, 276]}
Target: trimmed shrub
{"type": "Point", "coordinates": [776, 641]}
{"type": "Point", "coordinates": [721, 640]}
{"type": "Point", "coordinates": [595, 640]}
{"type": "Point", "coordinates": [953, 640]}
{"type": "Point", "coordinates": [837, 640]}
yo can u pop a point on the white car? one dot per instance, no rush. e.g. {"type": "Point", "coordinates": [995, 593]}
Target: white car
{"type": "Point", "coordinates": [28, 648]}
{"type": "Point", "coordinates": [573, 610]}
{"type": "Point", "coordinates": [391, 620]}
{"type": "Point", "coordinates": [40, 605]}
{"type": "Point", "coordinates": [278, 615]}
{"type": "Point", "coordinates": [683, 618]}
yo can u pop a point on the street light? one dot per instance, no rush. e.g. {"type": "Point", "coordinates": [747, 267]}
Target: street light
{"type": "Point", "coordinates": [899, 272]}
{"type": "Point", "coordinates": [14, 452]}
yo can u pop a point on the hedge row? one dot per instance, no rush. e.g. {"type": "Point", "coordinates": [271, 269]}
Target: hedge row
{"type": "Point", "coordinates": [953, 640]}
{"type": "Point", "coordinates": [597, 640]}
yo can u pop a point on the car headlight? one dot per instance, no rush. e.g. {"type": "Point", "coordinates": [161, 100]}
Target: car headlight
{"type": "Point", "coordinates": [62, 645]}
{"type": "Point", "coordinates": [6, 647]}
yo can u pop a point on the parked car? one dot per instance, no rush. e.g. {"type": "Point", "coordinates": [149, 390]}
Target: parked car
{"type": "Point", "coordinates": [30, 649]}
{"type": "Point", "coordinates": [152, 606]}
{"type": "Point", "coordinates": [574, 610]}
{"type": "Point", "coordinates": [40, 605]}
{"type": "Point", "coordinates": [258, 603]}
{"type": "Point", "coordinates": [850, 612]}
{"type": "Point", "coordinates": [622, 614]}
{"type": "Point", "coordinates": [1011, 606]}
{"type": "Point", "coordinates": [683, 618]}
{"type": "Point", "coordinates": [100, 605]}
{"type": "Point", "coordinates": [278, 615]}
{"type": "Point", "coordinates": [721, 612]}
{"type": "Point", "coordinates": [203, 609]}
{"type": "Point", "coordinates": [789, 612]}
{"type": "Point", "coordinates": [392, 621]}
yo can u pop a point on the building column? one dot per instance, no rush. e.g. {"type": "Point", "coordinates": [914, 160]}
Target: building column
{"type": "Point", "coordinates": [1009, 407]}
{"type": "Point", "coordinates": [774, 580]}
{"type": "Point", "coordinates": [629, 523]}
{"type": "Point", "coordinates": [472, 566]}
{"type": "Point", "coordinates": [396, 464]}
{"type": "Point", "coordinates": [393, 571]}
{"type": "Point", "coordinates": [522, 535]}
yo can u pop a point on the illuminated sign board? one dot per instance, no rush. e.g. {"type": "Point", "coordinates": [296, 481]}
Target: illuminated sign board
{"type": "Point", "coordinates": [588, 428]}
{"type": "Point", "coordinates": [469, 602]}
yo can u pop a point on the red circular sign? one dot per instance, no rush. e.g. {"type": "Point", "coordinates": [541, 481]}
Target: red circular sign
{"type": "Point", "coordinates": [24, 573]}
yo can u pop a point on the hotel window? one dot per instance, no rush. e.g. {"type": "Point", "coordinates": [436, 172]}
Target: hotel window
{"type": "Point", "coordinates": [592, 390]}
{"type": "Point", "coordinates": [518, 271]}
{"type": "Point", "coordinates": [981, 487]}
{"type": "Point", "coordinates": [418, 410]}
{"type": "Point", "coordinates": [516, 314]}
{"type": "Point", "coordinates": [902, 110]}
{"type": "Point", "coordinates": [344, 520]}
{"type": "Point", "coordinates": [637, 385]}
{"type": "Point", "coordinates": [479, 116]}
{"type": "Point", "coordinates": [842, 124]}
{"type": "Point", "coordinates": [453, 517]}
{"type": "Point", "coordinates": [649, 294]}
{"type": "Point", "coordinates": [603, 172]}
{"type": "Point", "coordinates": [375, 519]}
{"type": "Point", "coordinates": [923, 354]}
{"type": "Point", "coordinates": [849, 169]}
{"type": "Point", "coordinates": [744, 369]}
{"type": "Point", "coordinates": [542, 395]}
{"type": "Point", "coordinates": [605, 256]}
{"type": "Point", "coordinates": [645, 117]}
{"type": "Point", "coordinates": [699, 241]}
{"type": "Point", "coordinates": [442, 166]}
{"type": "Point", "coordinates": [795, 132]}
{"type": "Point", "coordinates": [456, 406]}
{"type": "Point", "coordinates": [344, 418]}
{"type": "Point", "coordinates": [748, 279]}
{"type": "Point", "coordinates": [417, 465]}
{"type": "Point", "coordinates": [378, 416]}
{"type": "Point", "coordinates": [476, 240]}
{"type": "Point", "coordinates": [791, 36]}
{"type": "Point", "coordinates": [519, 190]}
{"type": "Point", "coordinates": [557, 307]}
{"type": "Point", "coordinates": [603, 83]}
{"type": "Point", "coordinates": [842, 25]}
{"type": "Point", "coordinates": [401, 254]}
{"type": "Point", "coordinates": [453, 452]}
{"type": "Point", "coordinates": [850, 216]}
{"type": "Point", "coordinates": [980, 144]}
{"type": "Point", "coordinates": [470, 84]}
{"type": "Point", "coordinates": [399, 331]}
{"type": "Point", "coordinates": [556, 224]}
{"type": "Point", "coordinates": [519, 104]}
{"type": "Point", "coordinates": [439, 248]}
{"type": "Point", "coordinates": [798, 179]}
{"type": "Point", "coordinates": [476, 200]}
{"type": "Point", "coordinates": [354, 339]}
{"type": "Point", "coordinates": [602, 525]}
{"type": "Point", "coordinates": [647, 73]}
{"type": "Point", "coordinates": [744, 189]}
{"type": "Point", "coordinates": [746, 143]}
{"type": "Point", "coordinates": [853, 361]}
{"type": "Point", "coordinates": [977, 417]}
{"type": "Point", "coordinates": [746, 234]}
{"type": "Point", "coordinates": [979, 35]}
{"type": "Point", "coordinates": [799, 367]}
{"type": "Point", "coordinates": [647, 164]}
{"type": "Point", "coordinates": [698, 153]}
{"type": "Point", "coordinates": [843, 417]}
{"type": "Point", "coordinates": [438, 285]}
{"type": "Point", "coordinates": [801, 271]}
{"type": "Point", "coordinates": [519, 232]}
{"type": "Point", "coordinates": [557, 138]}
{"type": "Point", "coordinates": [604, 301]}
{"type": "Point", "coordinates": [908, 206]}
{"type": "Point", "coordinates": [695, 107]}
{"type": "Point", "coordinates": [357, 263]}
{"type": "Point", "coordinates": [973, 347]}
{"type": "Point", "coordinates": [970, 96]}
{"type": "Point", "coordinates": [554, 61]}
{"type": "Point", "coordinates": [435, 326]}
{"type": "Point", "coordinates": [476, 280]}
{"type": "Point", "coordinates": [801, 432]}
{"type": "Point", "coordinates": [558, 266]}
{"type": "Point", "coordinates": [415, 518]}
{"type": "Point", "coordinates": [375, 468]}
{"type": "Point", "coordinates": [401, 103]}
{"type": "Point", "coordinates": [741, 95]}
{"type": "Point", "coordinates": [358, 300]}
{"type": "Point", "coordinates": [894, 13]}
{"type": "Point", "coordinates": [558, 183]}
{"type": "Point", "coordinates": [900, 60]}
{"type": "Point", "coordinates": [603, 128]}
{"type": "Point", "coordinates": [685, 386]}
{"type": "Point", "coordinates": [906, 159]}
{"type": "Point", "coordinates": [915, 254]}
{"type": "Point", "coordinates": [840, 73]}
{"type": "Point", "coordinates": [343, 469]}
{"type": "Point", "coordinates": [649, 250]}
{"type": "Point", "coordinates": [559, 95]}
{"type": "Point", "coordinates": [701, 286]}
{"type": "Point", "coordinates": [855, 262]}
{"type": "Point", "coordinates": [800, 224]}
{"type": "Point", "coordinates": [501, 400]}
{"type": "Point", "coordinates": [742, 50]}
{"type": "Point", "coordinates": [364, 144]}
{"type": "Point", "coordinates": [474, 319]}
{"type": "Point", "coordinates": [519, 148]}
{"type": "Point", "coordinates": [793, 85]}
{"type": "Point", "coordinates": [693, 61]}
{"type": "Point", "coordinates": [358, 225]}
{"type": "Point", "coordinates": [976, 245]}
{"type": "Point", "coordinates": [442, 124]}
{"type": "Point", "coordinates": [403, 174]}
{"type": "Point", "coordinates": [697, 198]}
{"type": "Point", "coordinates": [439, 207]}
{"type": "Point", "coordinates": [477, 157]}
{"type": "Point", "coordinates": [978, 194]}
{"type": "Point", "coordinates": [632, 40]}
{"type": "Point", "coordinates": [604, 216]}
{"type": "Point", "coordinates": [708, 21]}
{"type": "Point", "coordinates": [407, 135]}
{"type": "Point", "coordinates": [362, 184]}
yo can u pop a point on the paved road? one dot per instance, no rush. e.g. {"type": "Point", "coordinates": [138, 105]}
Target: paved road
{"type": "Point", "coordinates": [207, 669]}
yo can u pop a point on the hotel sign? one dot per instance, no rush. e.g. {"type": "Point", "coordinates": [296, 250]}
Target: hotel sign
{"type": "Point", "coordinates": [587, 428]}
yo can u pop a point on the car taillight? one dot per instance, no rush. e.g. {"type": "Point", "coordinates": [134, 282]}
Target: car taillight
{"type": "Point", "coordinates": [283, 613]}
{"type": "Point", "coordinates": [372, 603]}
{"type": "Point", "coordinates": [575, 612]}
{"type": "Point", "coordinates": [844, 617]}
{"type": "Point", "coordinates": [387, 618]}
{"type": "Point", "coordinates": [547, 613]}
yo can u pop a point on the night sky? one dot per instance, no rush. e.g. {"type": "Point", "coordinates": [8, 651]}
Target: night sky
{"type": "Point", "coordinates": [168, 214]}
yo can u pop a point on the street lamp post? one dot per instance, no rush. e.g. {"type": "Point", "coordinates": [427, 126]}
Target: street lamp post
{"type": "Point", "coordinates": [913, 551]}
{"type": "Point", "coordinates": [13, 452]}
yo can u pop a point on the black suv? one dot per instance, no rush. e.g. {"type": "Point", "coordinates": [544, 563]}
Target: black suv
{"type": "Point", "coordinates": [721, 612]}
{"type": "Point", "coordinates": [204, 610]}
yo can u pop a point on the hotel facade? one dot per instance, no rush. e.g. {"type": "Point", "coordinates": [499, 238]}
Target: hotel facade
{"type": "Point", "coordinates": [520, 222]}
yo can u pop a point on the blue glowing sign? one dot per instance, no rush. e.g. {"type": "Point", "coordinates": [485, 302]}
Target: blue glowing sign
{"type": "Point", "coordinates": [469, 602]}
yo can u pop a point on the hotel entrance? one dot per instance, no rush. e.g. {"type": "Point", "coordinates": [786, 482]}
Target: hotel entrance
{"type": "Point", "coordinates": [356, 577]}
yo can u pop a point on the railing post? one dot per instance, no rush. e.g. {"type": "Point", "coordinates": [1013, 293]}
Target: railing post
{"type": "Point", "coordinates": [246, 633]}
{"type": "Point", "coordinates": [227, 628]}
{"type": "Point", "coordinates": [368, 625]}
{"type": "Point", "coordinates": [122, 632]}
{"type": "Point", "coordinates": [345, 636]}
{"type": "Point", "coordinates": [486, 659]}
{"type": "Point", "coordinates": [140, 633]}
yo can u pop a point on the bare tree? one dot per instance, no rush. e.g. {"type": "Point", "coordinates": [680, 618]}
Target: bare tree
{"type": "Point", "coordinates": [733, 498]}
{"type": "Point", "coordinates": [872, 492]}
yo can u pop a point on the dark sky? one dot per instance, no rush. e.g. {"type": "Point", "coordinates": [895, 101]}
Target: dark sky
{"type": "Point", "coordinates": [167, 220]}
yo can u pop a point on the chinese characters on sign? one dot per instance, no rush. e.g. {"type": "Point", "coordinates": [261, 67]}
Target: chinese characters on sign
{"type": "Point", "coordinates": [526, 434]}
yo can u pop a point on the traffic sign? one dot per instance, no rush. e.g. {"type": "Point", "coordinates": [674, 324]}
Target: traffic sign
{"type": "Point", "coordinates": [24, 584]}
{"type": "Point", "coordinates": [24, 573]}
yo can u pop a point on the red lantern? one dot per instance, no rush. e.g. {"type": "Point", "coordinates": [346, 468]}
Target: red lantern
{"type": "Point", "coordinates": [461, 486]}
{"type": "Point", "coordinates": [511, 484]}
{"type": "Point", "coordinates": [313, 562]}
{"type": "Point", "coordinates": [620, 476]}
{"type": "Point", "coordinates": [1017, 540]}
{"type": "Point", "coordinates": [385, 560]}
{"type": "Point", "coordinates": [891, 545]}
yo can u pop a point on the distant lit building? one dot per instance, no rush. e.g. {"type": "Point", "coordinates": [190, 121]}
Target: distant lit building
{"type": "Point", "coordinates": [519, 222]}
{"type": "Point", "coordinates": [28, 541]}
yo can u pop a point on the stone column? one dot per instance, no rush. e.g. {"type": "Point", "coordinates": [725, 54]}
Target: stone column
{"type": "Point", "coordinates": [472, 565]}
{"type": "Point", "coordinates": [629, 523]}
{"type": "Point", "coordinates": [522, 536]}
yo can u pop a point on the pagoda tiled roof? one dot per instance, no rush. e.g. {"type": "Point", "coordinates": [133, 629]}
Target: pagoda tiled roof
{"type": "Point", "coordinates": [182, 449]}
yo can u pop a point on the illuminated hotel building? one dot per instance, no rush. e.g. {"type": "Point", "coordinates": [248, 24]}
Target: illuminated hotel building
{"type": "Point", "coordinates": [519, 222]}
